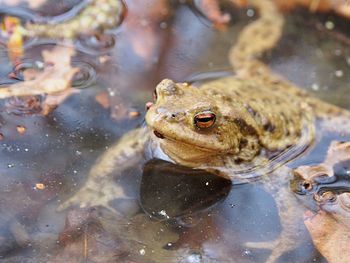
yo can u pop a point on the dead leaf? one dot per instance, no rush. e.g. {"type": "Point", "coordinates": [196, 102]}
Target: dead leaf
{"type": "Point", "coordinates": [337, 152]}
{"type": "Point", "coordinates": [330, 237]}
{"type": "Point", "coordinates": [102, 98]}
{"type": "Point", "coordinates": [329, 228]}
{"type": "Point", "coordinates": [56, 76]}
{"type": "Point", "coordinates": [21, 129]}
{"type": "Point", "coordinates": [54, 81]}
{"type": "Point", "coordinates": [53, 100]}
{"type": "Point", "coordinates": [211, 9]}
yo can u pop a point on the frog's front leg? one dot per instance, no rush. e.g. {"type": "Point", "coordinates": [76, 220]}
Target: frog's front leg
{"type": "Point", "coordinates": [290, 214]}
{"type": "Point", "coordinates": [100, 188]}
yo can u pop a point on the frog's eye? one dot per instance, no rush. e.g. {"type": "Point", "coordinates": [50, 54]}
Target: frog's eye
{"type": "Point", "coordinates": [345, 201]}
{"type": "Point", "coordinates": [327, 196]}
{"type": "Point", "coordinates": [204, 119]}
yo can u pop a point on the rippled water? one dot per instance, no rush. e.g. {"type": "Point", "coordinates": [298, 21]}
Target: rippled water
{"type": "Point", "coordinates": [46, 159]}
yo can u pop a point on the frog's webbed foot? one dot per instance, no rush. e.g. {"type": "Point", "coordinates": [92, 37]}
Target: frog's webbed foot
{"type": "Point", "coordinates": [100, 188]}
{"type": "Point", "coordinates": [278, 247]}
{"type": "Point", "coordinates": [94, 193]}
{"type": "Point", "coordinates": [288, 210]}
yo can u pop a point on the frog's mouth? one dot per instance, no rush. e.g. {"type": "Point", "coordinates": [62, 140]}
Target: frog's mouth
{"type": "Point", "coordinates": [165, 141]}
{"type": "Point", "coordinates": [158, 134]}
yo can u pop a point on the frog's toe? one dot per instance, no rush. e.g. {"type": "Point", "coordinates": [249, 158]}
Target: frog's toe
{"type": "Point", "coordinates": [79, 200]}
{"type": "Point", "coordinates": [277, 247]}
{"type": "Point", "coordinates": [261, 245]}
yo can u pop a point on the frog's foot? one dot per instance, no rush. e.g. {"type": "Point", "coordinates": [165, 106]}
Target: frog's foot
{"type": "Point", "coordinates": [100, 188]}
{"type": "Point", "coordinates": [278, 247]}
{"type": "Point", "coordinates": [94, 194]}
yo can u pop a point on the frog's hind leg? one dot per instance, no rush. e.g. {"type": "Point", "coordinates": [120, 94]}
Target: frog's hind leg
{"type": "Point", "coordinates": [257, 38]}
{"type": "Point", "coordinates": [278, 247]}
{"type": "Point", "coordinates": [288, 240]}
{"type": "Point", "coordinates": [100, 186]}
{"type": "Point", "coordinates": [290, 214]}
{"type": "Point", "coordinates": [95, 192]}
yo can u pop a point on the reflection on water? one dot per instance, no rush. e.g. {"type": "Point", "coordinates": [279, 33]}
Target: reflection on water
{"type": "Point", "coordinates": [184, 192]}
{"type": "Point", "coordinates": [45, 163]}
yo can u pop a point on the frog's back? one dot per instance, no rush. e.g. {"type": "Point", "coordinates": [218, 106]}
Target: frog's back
{"type": "Point", "coordinates": [280, 118]}
{"type": "Point", "coordinates": [283, 116]}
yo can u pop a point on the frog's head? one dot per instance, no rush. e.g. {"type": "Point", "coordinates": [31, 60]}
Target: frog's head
{"type": "Point", "coordinates": [336, 204]}
{"type": "Point", "coordinates": [190, 125]}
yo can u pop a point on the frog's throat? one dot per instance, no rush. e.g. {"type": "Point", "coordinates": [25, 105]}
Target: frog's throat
{"type": "Point", "coordinates": [189, 154]}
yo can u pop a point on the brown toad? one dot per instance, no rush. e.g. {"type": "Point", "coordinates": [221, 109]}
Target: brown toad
{"type": "Point", "coordinates": [239, 127]}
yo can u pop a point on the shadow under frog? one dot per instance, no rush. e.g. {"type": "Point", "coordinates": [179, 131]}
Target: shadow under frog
{"type": "Point", "coordinates": [184, 192]}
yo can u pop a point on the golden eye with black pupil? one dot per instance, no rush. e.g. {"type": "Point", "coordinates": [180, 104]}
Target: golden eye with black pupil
{"type": "Point", "coordinates": [329, 196]}
{"type": "Point", "coordinates": [204, 119]}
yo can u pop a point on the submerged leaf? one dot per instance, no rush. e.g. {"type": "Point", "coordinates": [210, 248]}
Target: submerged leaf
{"type": "Point", "coordinates": [54, 80]}
{"type": "Point", "coordinates": [331, 237]}
{"type": "Point", "coordinates": [55, 77]}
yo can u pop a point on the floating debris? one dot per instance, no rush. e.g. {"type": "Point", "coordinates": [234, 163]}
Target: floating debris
{"type": "Point", "coordinates": [134, 114]}
{"type": "Point", "coordinates": [329, 25]}
{"type": "Point", "coordinates": [21, 129]}
{"type": "Point", "coordinates": [39, 186]}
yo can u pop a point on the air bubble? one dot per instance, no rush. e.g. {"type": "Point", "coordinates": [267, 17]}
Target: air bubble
{"type": "Point", "coordinates": [85, 76]}
{"type": "Point", "coordinates": [250, 12]}
{"type": "Point", "coordinates": [329, 25]}
{"type": "Point", "coordinates": [339, 73]}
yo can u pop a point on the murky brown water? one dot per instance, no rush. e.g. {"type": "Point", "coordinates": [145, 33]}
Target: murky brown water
{"type": "Point", "coordinates": [59, 149]}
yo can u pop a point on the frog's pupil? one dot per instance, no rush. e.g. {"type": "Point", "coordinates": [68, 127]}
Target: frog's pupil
{"type": "Point", "coordinates": [204, 120]}
{"type": "Point", "coordinates": [306, 186]}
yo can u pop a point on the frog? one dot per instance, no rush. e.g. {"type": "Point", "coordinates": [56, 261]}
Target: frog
{"type": "Point", "coordinates": [246, 127]}
{"type": "Point", "coordinates": [336, 204]}
{"type": "Point", "coordinates": [332, 173]}
{"type": "Point", "coordinates": [97, 16]}
{"type": "Point", "coordinates": [326, 182]}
